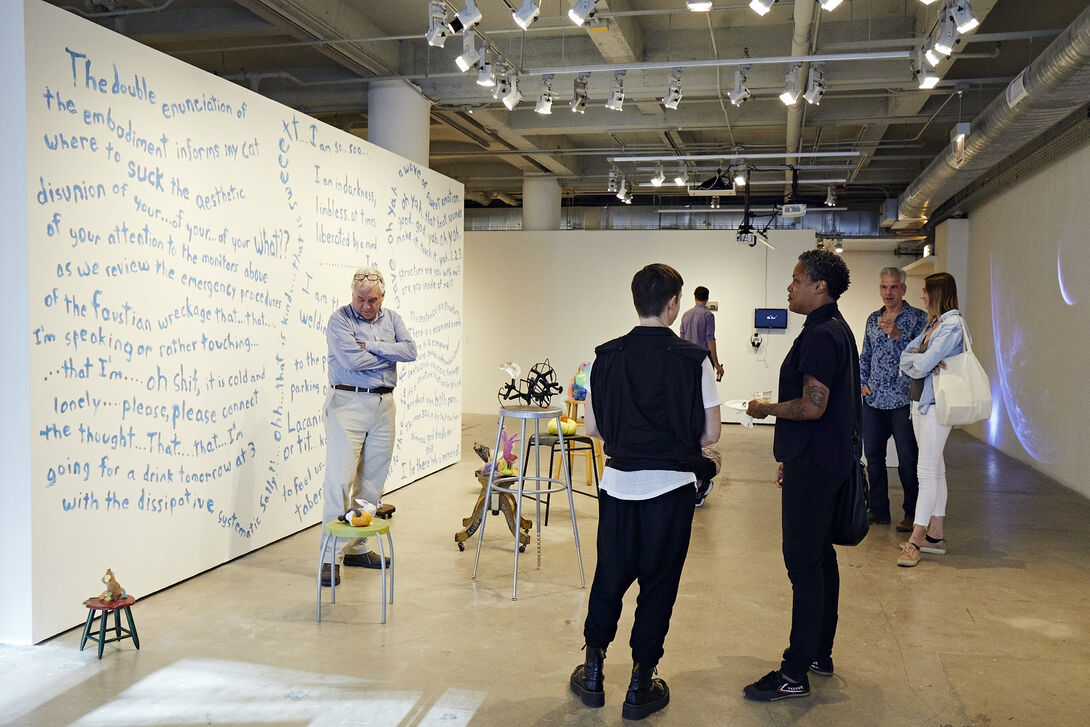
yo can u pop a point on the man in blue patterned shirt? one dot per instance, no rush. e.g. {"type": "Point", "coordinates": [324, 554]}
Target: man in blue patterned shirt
{"type": "Point", "coordinates": [885, 397]}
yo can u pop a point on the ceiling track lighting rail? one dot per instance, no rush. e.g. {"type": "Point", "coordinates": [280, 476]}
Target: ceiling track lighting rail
{"type": "Point", "coordinates": [892, 55]}
{"type": "Point", "coordinates": [731, 156]}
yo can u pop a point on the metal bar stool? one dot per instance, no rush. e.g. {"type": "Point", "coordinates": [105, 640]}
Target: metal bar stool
{"type": "Point", "coordinates": [542, 484]}
{"type": "Point", "coordinates": [336, 530]}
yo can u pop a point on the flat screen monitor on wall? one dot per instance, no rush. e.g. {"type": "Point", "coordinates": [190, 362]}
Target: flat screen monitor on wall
{"type": "Point", "coordinates": [770, 318]}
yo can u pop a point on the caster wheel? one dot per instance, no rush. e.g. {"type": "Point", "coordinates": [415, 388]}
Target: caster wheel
{"type": "Point", "coordinates": [495, 512]}
{"type": "Point", "coordinates": [462, 547]}
{"type": "Point", "coordinates": [522, 548]}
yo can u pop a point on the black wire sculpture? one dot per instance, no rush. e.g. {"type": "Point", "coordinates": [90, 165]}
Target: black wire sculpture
{"type": "Point", "coordinates": [538, 388]}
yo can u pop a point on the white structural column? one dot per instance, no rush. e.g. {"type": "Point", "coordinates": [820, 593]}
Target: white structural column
{"type": "Point", "coordinates": [398, 119]}
{"type": "Point", "coordinates": [540, 203]}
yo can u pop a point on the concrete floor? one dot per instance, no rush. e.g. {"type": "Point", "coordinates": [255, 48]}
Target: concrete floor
{"type": "Point", "coordinates": [997, 632]}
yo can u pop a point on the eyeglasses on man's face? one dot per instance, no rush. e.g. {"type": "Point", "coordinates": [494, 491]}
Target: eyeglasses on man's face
{"type": "Point", "coordinates": [372, 277]}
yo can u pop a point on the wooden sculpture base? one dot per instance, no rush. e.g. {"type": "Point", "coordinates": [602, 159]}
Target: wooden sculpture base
{"type": "Point", "coordinates": [505, 501]}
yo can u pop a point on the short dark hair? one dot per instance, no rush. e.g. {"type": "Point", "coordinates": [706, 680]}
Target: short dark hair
{"type": "Point", "coordinates": [701, 294]}
{"type": "Point", "coordinates": [652, 288]}
{"type": "Point", "coordinates": [942, 292]}
{"type": "Point", "coordinates": [827, 266]}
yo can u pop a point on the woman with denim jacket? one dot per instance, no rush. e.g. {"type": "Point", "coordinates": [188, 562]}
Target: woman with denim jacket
{"type": "Point", "coordinates": [922, 358]}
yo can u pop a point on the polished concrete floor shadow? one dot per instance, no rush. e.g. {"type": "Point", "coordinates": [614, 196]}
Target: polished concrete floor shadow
{"type": "Point", "coordinates": [996, 632]}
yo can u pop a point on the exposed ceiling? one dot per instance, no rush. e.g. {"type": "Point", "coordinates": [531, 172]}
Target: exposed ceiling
{"type": "Point", "coordinates": [318, 56]}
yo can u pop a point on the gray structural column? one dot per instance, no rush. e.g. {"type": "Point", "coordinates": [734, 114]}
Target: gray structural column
{"type": "Point", "coordinates": [398, 119]}
{"type": "Point", "coordinates": [540, 203]}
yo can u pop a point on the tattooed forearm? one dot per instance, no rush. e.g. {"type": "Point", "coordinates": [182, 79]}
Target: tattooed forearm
{"type": "Point", "coordinates": [811, 405]}
{"type": "Point", "coordinates": [793, 409]}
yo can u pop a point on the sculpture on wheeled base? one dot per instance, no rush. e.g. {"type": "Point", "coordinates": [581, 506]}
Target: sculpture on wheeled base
{"type": "Point", "coordinates": [502, 502]}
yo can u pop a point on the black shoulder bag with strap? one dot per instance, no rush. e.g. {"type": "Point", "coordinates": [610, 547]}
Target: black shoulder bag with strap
{"type": "Point", "coordinates": [850, 524]}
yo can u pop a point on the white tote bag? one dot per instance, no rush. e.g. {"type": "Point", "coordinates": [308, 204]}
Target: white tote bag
{"type": "Point", "coordinates": [963, 394]}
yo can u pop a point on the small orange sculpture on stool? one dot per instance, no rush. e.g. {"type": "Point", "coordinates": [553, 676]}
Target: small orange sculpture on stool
{"type": "Point", "coordinates": [113, 599]}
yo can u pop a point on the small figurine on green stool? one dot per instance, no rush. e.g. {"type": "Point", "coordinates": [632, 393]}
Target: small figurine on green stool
{"type": "Point", "coordinates": [359, 516]}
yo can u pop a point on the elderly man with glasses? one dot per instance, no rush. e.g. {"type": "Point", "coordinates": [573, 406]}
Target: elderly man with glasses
{"type": "Point", "coordinates": [365, 343]}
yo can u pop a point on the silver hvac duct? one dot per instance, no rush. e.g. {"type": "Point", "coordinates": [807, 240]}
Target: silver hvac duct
{"type": "Point", "coordinates": [1051, 87]}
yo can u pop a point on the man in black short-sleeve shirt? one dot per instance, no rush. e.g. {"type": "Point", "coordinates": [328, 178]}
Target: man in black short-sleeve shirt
{"type": "Point", "coordinates": [813, 444]}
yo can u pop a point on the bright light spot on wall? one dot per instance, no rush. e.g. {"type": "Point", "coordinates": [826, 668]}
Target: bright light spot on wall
{"type": "Point", "coordinates": [1068, 298]}
{"type": "Point", "coordinates": [1071, 268]}
{"type": "Point", "coordinates": [992, 425]}
{"type": "Point", "coordinates": [1013, 361]}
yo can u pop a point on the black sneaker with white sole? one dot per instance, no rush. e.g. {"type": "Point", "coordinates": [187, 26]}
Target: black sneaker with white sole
{"type": "Point", "coordinates": [822, 666]}
{"type": "Point", "coordinates": [773, 687]}
{"type": "Point", "coordinates": [703, 489]}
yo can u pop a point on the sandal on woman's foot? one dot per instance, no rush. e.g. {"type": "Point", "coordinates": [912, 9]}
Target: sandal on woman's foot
{"type": "Point", "coordinates": [910, 555]}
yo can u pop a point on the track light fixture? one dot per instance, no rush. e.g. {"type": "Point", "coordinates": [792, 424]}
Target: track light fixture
{"type": "Point", "coordinates": [581, 11]}
{"type": "Point", "coordinates": [964, 20]}
{"type": "Point", "coordinates": [545, 99]}
{"type": "Point", "coordinates": [830, 197]}
{"type": "Point", "coordinates": [740, 94]}
{"type": "Point", "coordinates": [438, 28]}
{"type": "Point", "coordinates": [579, 100]}
{"type": "Point", "coordinates": [514, 95]}
{"type": "Point", "coordinates": [526, 14]}
{"type": "Point", "coordinates": [627, 199]}
{"type": "Point", "coordinates": [839, 247]}
{"type": "Point", "coordinates": [658, 177]}
{"type": "Point", "coordinates": [681, 178]}
{"type": "Point", "coordinates": [614, 175]}
{"type": "Point", "coordinates": [714, 204]}
{"type": "Point", "coordinates": [924, 73]}
{"type": "Point", "coordinates": [761, 7]}
{"type": "Point", "coordinates": [466, 19]}
{"type": "Point", "coordinates": [470, 54]}
{"type": "Point", "coordinates": [791, 88]}
{"type": "Point", "coordinates": [699, 6]}
{"type": "Point", "coordinates": [615, 102]}
{"type": "Point", "coordinates": [673, 90]}
{"type": "Point", "coordinates": [815, 86]}
{"type": "Point", "coordinates": [945, 34]}
{"type": "Point", "coordinates": [927, 2]}
{"type": "Point", "coordinates": [485, 75]}
{"type": "Point", "coordinates": [931, 57]}
{"type": "Point", "coordinates": [829, 5]}
{"type": "Point", "coordinates": [740, 176]}
{"type": "Point", "coordinates": [622, 188]}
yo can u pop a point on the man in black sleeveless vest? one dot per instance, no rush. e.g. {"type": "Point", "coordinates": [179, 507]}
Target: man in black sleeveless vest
{"type": "Point", "coordinates": [813, 444]}
{"type": "Point", "coordinates": [654, 406]}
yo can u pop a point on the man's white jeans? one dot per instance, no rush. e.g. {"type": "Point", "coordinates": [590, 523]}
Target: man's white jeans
{"type": "Point", "coordinates": [360, 432]}
{"type": "Point", "coordinates": [930, 467]}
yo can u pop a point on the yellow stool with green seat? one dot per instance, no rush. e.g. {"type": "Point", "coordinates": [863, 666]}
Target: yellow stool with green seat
{"type": "Point", "coordinates": [336, 530]}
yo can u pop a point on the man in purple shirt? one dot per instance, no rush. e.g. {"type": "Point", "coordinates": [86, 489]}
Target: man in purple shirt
{"type": "Point", "coordinates": [698, 326]}
{"type": "Point", "coordinates": [365, 343]}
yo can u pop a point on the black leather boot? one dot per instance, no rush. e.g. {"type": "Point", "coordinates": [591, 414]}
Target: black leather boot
{"type": "Point", "coordinates": [646, 695]}
{"type": "Point", "coordinates": [587, 679]}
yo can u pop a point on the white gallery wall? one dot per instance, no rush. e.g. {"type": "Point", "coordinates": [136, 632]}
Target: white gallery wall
{"type": "Point", "coordinates": [1029, 298]}
{"type": "Point", "coordinates": [557, 295]}
{"type": "Point", "coordinates": [175, 246]}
